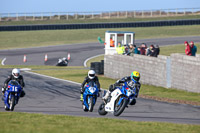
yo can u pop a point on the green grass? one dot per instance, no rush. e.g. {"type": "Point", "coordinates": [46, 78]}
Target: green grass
{"type": "Point", "coordinates": [179, 48]}
{"type": "Point", "coordinates": [40, 123]}
{"type": "Point", "coordinates": [22, 39]}
{"type": "Point", "coordinates": [98, 20]}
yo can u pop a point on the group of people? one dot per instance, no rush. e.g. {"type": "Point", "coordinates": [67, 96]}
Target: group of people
{"type": "Point", "coordinates": [142, 50]}
{"type": "Point", "coordinates": [190, 49]}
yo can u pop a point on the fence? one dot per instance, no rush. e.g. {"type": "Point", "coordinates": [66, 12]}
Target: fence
{"type": "Point", "coordinates": [98, 15]}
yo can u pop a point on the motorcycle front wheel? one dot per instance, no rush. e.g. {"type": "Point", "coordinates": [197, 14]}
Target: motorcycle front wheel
{"type": "Point", "coordinates": [118, 109]}
{"type": "Point", "coordinates": [12, 103]}
{"type": "Point", "coordinates": [91, 105]}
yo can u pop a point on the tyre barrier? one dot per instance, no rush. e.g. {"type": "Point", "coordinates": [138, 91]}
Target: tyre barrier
{"type": "Point", "coordinates": [98, 67]}
{"type": "Point", "coordinates": [99, 25]}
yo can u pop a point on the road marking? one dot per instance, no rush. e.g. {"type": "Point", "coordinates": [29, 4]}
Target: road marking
{"type": "Point", "coordinates": [53, 77]}
{"type": "Point", "coordinates": [2, 62]}
{"type": "Point", "coordinates": [104, 90]}
{"type": "Point", "coordinates": [85, 62]}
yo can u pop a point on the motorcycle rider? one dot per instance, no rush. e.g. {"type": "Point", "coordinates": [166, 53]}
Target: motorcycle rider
{"type": "Point", "coordinates": [90, 77]}
{"type": "Point", "coordinates": [14, 76]}
{"type": "Point", "coordinates": [132, 81]}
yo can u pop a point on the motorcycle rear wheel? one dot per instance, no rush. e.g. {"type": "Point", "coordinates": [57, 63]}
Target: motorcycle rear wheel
{"type": "Point", "coordinates": [101, 109]}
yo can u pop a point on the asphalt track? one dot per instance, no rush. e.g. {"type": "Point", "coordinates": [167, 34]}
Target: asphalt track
{"type": "Point", "coordinates": [52, 96]}
{"type": "Point", "coordinates": [78, 52]}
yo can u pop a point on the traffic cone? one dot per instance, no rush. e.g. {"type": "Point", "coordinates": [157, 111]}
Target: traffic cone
{"type": "Point", "coordinates": [45, 58]}
{"type": "Point", "coordinates": [25, 60]}
{"type": "Point", "coordinates": [68, 57]}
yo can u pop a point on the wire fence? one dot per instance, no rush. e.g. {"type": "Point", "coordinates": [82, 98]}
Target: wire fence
{"type": "Point", "coordinates": [98, 15]}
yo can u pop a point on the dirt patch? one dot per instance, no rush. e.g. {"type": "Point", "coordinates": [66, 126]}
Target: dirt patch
{"type": "Point", "coordinates": [170, 100]}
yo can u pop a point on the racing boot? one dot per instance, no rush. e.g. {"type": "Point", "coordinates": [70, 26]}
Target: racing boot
{"type": "Point", "coordinates": [105, 98]}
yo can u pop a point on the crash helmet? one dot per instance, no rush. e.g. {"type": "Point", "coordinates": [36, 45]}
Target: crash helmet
{"type": "Point", "coordinates": [91, 74]}
{"type": "Point", "coordinates": [16, 73]}
{"type": "Point", "coordinates": [135, 76]}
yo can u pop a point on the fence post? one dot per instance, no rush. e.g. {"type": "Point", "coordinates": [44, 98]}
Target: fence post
{"type": "Point", "coordinates": [176, 11]}
{"type": "Point", "coordinates": [109, 14]}
{"type": "Point", "coordinates": [42, 16]}
{"type": "Point", "coordinates": [67, 16]}
{"type": "Point", "coordinates": [142, 13]}
{"type": "Point", "coordinates": [134, 14]}
{"type": "Point", "coordinates": [151, 13]}
{"type": "Point", "coordinates": [17, 17]}
{"type": "Point", "coordinates": [58, 16]}
{"type": "Point", "coordinates": [117, 14]}
{"type": "Point", "coordinates": [184, 11]}
{"type": "Point", "coordinates": [92, 15]}
{"type": "Point", "coordinates": [168, 72]}
{"type": "Point", "coordinates": [33, 16]}
{"type": "Point", "coordinates": [0, 16]}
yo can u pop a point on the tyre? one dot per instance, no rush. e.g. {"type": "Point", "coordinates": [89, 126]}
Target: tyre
{"type": "Point", "coordinates": [84, 108]}
{"type": "Point", "coordinates": [12, 103]}
{"type": "Point", "coordinates": [91, 105]}
{"type": "Point", "coordinates": [101, 109]}
{"type": "Point", "coordinates": [118, 109]}
{"type": "Point", "coordinates": [133, 102]}
{"type": "Point", "coordinates": [6, 108]}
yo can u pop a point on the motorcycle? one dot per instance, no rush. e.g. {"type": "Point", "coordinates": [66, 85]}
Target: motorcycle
{"type": "Point", "coordinates": [120, 98]}
{"type": "Point", "coordinates": [12, 95]}
{"type": "Point", "coordinates": [90, 96]}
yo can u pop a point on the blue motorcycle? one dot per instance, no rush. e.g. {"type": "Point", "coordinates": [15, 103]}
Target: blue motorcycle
{"type": "Point", "coordinates": [12, 95]}
{"type": "Point", "coordinates": [120, 98]}
{"type": "Point", "coordinates": [90, 96]}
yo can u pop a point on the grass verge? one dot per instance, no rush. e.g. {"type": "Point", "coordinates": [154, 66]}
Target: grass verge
{"type": "Point", "coordinates": [24, 39]}
{"type": "Point", "coordinates": [40, 123]}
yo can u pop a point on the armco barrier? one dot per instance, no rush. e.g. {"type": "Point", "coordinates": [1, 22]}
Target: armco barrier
{"type": "Point", "coordinates": [99, 25]}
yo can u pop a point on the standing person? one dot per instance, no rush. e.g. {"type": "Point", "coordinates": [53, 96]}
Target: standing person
{"type": "Point", "coordinates": [14, 76]}
{"type": "Point", "coordinates": [120, 49]}
{"type": "Point", "coordinates": [193, 48]}
{"type": "Point", "coordinates": [136, 51]}
{"type": "Point", "coordinates": [157, 50]}
{"type": "Point", "coordinates": [152, 48]}
{"type": "Point", "coordinates": [90, 77]}
{"type": "Point", "coordinates": [187, 48]}
{"type": "Point", "coordinates": [143, 49]}
{"type": "Point", "coordinates": [131, 50]}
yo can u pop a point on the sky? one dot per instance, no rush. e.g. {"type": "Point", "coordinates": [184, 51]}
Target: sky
{"type": "Point", "coordinates": [29, 6]}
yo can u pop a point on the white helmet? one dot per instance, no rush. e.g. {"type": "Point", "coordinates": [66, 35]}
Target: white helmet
{"type": "Point", "coordinates": [91, 74]}
{"type": "Point", "coordinates": [16, 72]}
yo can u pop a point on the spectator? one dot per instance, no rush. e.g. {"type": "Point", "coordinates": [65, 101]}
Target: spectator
{"type": "Point", "coordinates": [187, 49]}
{"type": "Point", "coordinates": [142, 49]}
{"type": "Point", "coordinates": [193, 48]}
{"type": "Point", "coordinates": [120, 49]}
{"type": "Point", "coordinates": [112, 43]}
{"type": "Point", "coordinates": [136, 51]}
{"type": "Point", "coordinates": [152, 48]}
{"type": "Point", "coordinates": [148, 51]}
{"type": "Point", "coordinates": [131, 50]}
{"type": "Point", "coordinates": [157, 51]}
{"type": "Point", "coordinates": [126, 49]}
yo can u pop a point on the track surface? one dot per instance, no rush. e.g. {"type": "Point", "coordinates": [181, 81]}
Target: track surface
{"type": "Point", "coordinates": [60, 97]}
{"type": "Point", "coordinates": [78, 52]}
{"type": "Point", "coordinates": [46, 95]}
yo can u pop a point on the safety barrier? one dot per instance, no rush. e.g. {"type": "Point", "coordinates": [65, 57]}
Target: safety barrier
{"type": "Point", "coordinates": [99, 25]}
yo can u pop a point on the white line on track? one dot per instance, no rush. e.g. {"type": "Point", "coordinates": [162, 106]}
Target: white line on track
{"type": "Point", "coordinates": [2, 62]}
{"type": "Point", "coordinates": [85, 62]}
{"type": "Point", "coordinates": [59, 79]}
{"type": "Point", "coordinates": [53, 77]}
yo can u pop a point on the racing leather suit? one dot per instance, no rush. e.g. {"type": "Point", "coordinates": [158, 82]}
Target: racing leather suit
{"type": "Point", "coordinates": [20, 80]}
{"type": "Point", "coordinates": [87, 80]}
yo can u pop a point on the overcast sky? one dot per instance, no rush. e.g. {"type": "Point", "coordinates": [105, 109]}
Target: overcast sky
{"type": "Point", "coordinates": [21, 6]}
